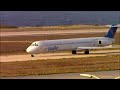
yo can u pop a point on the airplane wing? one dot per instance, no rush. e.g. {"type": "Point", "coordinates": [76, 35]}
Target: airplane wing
{"type": "Point", "coordinates": [92, 48]}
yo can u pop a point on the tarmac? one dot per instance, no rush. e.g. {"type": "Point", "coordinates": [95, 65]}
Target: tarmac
{"type": "Point", "coordinates": [101, 74]}
{"type": "Point", "coordinates": [54, 32]}
{"type": "Point", "coordinates": [57, 55]}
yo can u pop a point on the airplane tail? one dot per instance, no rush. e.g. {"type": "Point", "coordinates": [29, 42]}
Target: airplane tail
{"type": "Point", "coordinates": [111, 32]}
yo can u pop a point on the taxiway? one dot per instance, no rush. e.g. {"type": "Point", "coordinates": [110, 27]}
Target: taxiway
{"type": "Point", "coordinates": [56, 55]}
{"type": "Point", "coordinates": [101, 74]}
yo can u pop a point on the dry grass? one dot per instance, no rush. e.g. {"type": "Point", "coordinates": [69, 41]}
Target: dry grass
{"type": "Point", "coordinates": [69, 27]}
{"type": "Point", "coordinates": [39, 67]}
{"type": "Point", "coordinates": [61, 27]}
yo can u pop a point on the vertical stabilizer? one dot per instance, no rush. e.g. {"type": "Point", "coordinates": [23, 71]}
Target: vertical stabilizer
{"type": "Point", "coordinates": [111, 32]}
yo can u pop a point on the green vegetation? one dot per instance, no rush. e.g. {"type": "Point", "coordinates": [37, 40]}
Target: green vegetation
{"type": "Point", "coordinates": [39, 67]}
{"type": "Point", "coordinates": [7, 27]}
{"type": "Point", "coordinates": [69, 27]}
{"type": "Point", "coordinates": [60, 27]}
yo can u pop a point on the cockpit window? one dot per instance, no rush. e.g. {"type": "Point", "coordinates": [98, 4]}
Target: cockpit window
{"type": "Point", "coordinates": [34, 44]}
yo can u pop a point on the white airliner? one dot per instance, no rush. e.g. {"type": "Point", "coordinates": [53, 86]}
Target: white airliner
{"type": "Point", "coordinates": [75, 44]}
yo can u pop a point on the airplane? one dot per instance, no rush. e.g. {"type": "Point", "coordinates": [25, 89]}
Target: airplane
{"type": "Point", "coordinates": [74, 44]}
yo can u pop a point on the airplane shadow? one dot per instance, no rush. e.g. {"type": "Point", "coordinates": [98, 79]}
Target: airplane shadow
{"type": "Point", "coordinates": [97, 53]}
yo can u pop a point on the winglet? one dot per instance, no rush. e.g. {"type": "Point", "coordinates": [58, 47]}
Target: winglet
{"type": "Point", "coordinates": [111, 31]}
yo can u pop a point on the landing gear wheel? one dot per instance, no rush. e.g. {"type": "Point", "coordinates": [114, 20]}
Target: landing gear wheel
{"type": "Point", "coordinates": [32, 55]}
{"type": "Point", "coordinates": [73, 51]}
{"type": "Point", "coordinates": [86, 51]}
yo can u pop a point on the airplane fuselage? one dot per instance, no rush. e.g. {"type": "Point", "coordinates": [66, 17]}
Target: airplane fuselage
{"type": "Point", "coordinates": [68, 44]}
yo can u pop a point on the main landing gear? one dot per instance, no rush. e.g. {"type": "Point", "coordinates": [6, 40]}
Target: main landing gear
{"type": "Point", "coordinates": [75, 52]}
{"type": "Point", "coordinates": [32, 55]}
{"type": "Point", "coordinates": [86, 51]}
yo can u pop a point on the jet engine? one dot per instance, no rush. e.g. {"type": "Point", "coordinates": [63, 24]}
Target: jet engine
{"type": "Point", "coordinates": [104, 42]}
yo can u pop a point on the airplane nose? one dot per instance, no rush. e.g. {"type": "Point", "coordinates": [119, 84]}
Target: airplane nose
{"type": "Point", "coordinates": [28, 50]}
{"type": "Point", "coordinates": [31, 50]}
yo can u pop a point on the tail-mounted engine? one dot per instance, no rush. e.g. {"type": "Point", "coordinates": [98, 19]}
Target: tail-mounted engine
{"type": "Point", "coordinates": [104, 42]}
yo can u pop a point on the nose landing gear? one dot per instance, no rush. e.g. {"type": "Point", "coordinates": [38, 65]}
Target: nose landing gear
{"type": "Point", "coordinates": [32, 55]}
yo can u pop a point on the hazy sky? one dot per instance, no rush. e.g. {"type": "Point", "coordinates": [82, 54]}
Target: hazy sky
{"type": "Point", "coordinates": [31, 18]}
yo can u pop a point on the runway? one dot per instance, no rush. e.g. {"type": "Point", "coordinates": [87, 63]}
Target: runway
{"type": "Point", "coordinates": [44, 32]}
{"type": "Point", "coordinates": [52, 32]}
{"type": "Point", "coordinates": [57, 55]}
{"type": "Point", "coordinates": [100, 74]}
